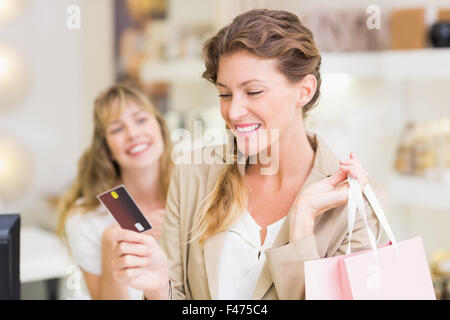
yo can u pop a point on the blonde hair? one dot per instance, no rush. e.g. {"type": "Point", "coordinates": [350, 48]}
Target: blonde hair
{"type": "Point", "coordinates": [97, 171]}
{"type": "Point", "coordinates": [266, 34]}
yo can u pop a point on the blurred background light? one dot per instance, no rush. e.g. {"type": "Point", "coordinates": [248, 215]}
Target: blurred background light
{"type": "Point", "coordinates": [15, 169]}
{"type": "Point", "coordinates": [9, 9]}
{"type": "Point", "coordinates": [14, 78]}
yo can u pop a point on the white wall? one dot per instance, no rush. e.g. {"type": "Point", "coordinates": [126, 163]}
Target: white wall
{"type": "Point", "coordinates": [68, 68]}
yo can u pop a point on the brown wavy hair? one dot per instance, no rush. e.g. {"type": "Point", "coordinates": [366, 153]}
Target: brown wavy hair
{"type": "Point", "coordinates": [97, 171]}
{"type": "Point", "coordinates": [270, 34]}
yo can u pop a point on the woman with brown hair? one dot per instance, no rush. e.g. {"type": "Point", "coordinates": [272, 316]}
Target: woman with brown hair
{"type": "Point", "coordinates": [131, 145]}
{"type": "Point", "coordinates": [231, 231]}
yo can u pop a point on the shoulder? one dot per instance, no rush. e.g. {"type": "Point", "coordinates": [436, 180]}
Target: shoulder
{"type": "Point", "coordinates": [84, 236]}
{"type": "Point", "coordinates": [325, 160]}
{"type": "Point", "coordinates": [196, 165]}
{"type": "Point", "coordinates": [88, 225]}
{"type": "Point", "coordinates": [192, 180]}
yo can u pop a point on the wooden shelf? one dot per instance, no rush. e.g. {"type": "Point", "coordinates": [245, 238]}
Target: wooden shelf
{"type": "Point", "coordinates": [405, 64]}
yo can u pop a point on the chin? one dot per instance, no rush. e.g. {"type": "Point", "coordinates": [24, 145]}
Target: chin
{"type": "Point", "coordinates": [143, 162]}
{"type": "Point", "coordinates": [250, 149]}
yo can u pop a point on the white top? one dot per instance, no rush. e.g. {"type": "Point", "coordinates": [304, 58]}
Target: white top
{"type": "Point", "coordinates": [243, 257]}
{"type": "Point", "coordinates": [84, 234]}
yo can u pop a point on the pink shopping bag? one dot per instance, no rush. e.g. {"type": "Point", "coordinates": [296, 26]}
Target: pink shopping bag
{"type": "Point", "coordinates": [390, 271]}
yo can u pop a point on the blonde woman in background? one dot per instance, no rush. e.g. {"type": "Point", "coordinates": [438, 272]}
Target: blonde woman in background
{"type": "Point", "coordinates": [231, 232]}
{"type": "Point", "coordinates": [131, 145]}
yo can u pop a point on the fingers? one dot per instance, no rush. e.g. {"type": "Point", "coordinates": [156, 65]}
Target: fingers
{"type": "Point", "coordinates": [353, 163]}
{"type": "Point", "coordinates": [335, 198]}
{"type": "Point", "coordinates": [343, 187]}
{"type": "Point", "coordinates": [113, 227]}
{"type": "Point", "coordinates": [122, 235]}
{"type": "Point", "coordinates": [125, 275]}
{"type": "Point", "coordinates": [337, 177]}
{"type": "Point", "coordinates": [108, 234]}
{"type": "Point", "coordinates": [133, 250]}
{"type": "Point", "coordinates": [354, 168]}
{"type": "Point", "coordinates": [130, 261]}
{"type": "Point", "coordinates": [124, 248]}
{"type": "Point", "coordinates": [126, 235]}
{"type": "Point", "coordinates": [357, 174]}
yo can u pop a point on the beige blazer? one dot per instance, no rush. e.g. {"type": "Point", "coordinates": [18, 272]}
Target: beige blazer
{"type": "Point", "coordinates": [194, 270]}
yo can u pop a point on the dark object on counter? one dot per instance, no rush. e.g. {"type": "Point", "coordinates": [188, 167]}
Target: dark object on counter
{"type": "Point", "coordinates": [440, 34]}
{"type": "Point", "coordinates": [9, 256]}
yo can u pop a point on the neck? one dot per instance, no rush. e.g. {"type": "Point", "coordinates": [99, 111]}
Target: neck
{"type": "Point", "coordinates": [294, 155]}
{"type": "Point", "coordinates": [144, 185]}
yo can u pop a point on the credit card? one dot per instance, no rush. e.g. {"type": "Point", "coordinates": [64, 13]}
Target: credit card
{"type": "Point", "coordinates": [124, 209]}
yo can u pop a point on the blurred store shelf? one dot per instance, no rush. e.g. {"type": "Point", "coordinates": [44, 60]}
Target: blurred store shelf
{"type": "Point", "coordinates": [183, 70]}
{"type": "Point", "coordinates": [414, 191]}
{"type": "Point", "coordinates": [404, 64]}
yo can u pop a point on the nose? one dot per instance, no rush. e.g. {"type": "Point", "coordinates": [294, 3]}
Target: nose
{"type": "Point", "coordinates": [132, 132]}
{"type": "Point", "coordinates": [237, 108]}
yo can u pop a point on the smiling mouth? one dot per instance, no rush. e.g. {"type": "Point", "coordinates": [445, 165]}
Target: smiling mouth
{"type": "Point", "coordinates": [248, 129]}
{"type": "Point", "coordinates": [138, 149]}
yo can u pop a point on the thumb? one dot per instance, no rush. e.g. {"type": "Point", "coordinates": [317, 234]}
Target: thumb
{"type": "Point", "coordinates": [336, 197]}
{"type": "Point", "coordinates": [339, 176]}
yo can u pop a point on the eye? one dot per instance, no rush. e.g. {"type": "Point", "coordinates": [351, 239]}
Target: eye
{"type": "Point", "coordinates": [224, 95]}
{"type": "Point", "coordinates": [254, 93]}
{"type": "Point", "coordinates": [142, 120]}
{"type": "Point", "coordinates": [116, 130]}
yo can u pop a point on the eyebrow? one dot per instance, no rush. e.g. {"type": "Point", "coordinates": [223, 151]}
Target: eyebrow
{"type": "Point", "coordinates": [242, 84]}
{"type": "Point", "coordinates": [133, 115]}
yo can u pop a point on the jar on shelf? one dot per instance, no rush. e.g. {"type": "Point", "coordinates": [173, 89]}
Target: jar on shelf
{"type": "Point", "coordinates": [441, 131]}
{"type": "Point", "coordinates": [424, 155]}
{"type": "Point", "coordinates": [446, 144]}
{"type": "Point", "coordinates": [405, 159]}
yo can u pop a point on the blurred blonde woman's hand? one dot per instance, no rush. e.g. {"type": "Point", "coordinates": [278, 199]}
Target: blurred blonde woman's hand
{"type": "Point", "coordinates": [108, 235]}
{"type": "Point", "coordinates": [324, 195]}
{"type": "Point", "coordinates": [156, 219]}
{"type": "Point", "coordinates": [139, 262]}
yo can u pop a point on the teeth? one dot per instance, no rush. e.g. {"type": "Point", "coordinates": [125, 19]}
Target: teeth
{"type": "Point", "coordinates": [138, 148]}
{"type": "Point", "coordinates": [247, 129]}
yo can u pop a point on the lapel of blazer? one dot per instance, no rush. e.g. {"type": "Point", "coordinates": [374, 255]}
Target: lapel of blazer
{"type": "Point", "coordinates": [324, 164]}
{"type": "Point", "coordinates": [212, 247]}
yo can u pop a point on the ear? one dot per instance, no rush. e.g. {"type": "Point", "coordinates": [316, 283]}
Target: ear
{"type": "Point", "coordinates": [306, 90]}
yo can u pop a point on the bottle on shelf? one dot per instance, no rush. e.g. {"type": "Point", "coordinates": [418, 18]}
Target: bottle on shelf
{"type": "Point", "coordinates": [405, 160]}
{"type": "Point", "coordinates": [424, 149]}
